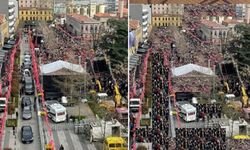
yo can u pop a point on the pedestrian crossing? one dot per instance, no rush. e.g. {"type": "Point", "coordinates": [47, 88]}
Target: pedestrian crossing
{"type": "Point", "coordinates": [70, 140]}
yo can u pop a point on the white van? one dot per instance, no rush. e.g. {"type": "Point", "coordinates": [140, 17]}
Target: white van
{"type": "Point", "coordinates": [134, 104]}
{"type": "Point", "coordinates": [101, 97]}
{"type": "Point", "coordinates": [186, 111]}
{"type": "Point", "coordinates": [56, 111]}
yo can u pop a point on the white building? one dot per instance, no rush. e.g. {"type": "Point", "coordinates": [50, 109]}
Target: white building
{"type": "Point", "coordinates": [80, 25]}
{"type": "Point", "coordinates": [212, 31]}
{"type": "Point", "coordinates": [170, 9]}
{"type": "Point", "coordinates": [11, 19]}
{"type": "Point", "coordinates": [143, 14]}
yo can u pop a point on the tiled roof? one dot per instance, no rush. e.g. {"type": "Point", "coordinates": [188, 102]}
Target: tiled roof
{"type": "Point", "coordinates": [134, 24]}
{"type": "Point", "coordinates": [231, 21]}
{"type": "Point", "coordinates": [211, 24]}
{"type": "Point", "coordinates": [105, 15]}
{"type": "Point", "coordinates": [81, 18]}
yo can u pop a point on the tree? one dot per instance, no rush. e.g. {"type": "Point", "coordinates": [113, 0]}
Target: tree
{"type": "Point", "coordinates": [72, 85]}
{"type": "Point", "coordinates": [115, 41]}
{"type": "Point", "coordinates": [240, 49]}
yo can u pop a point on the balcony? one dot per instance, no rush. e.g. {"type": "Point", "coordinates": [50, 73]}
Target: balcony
{"type": "Point", "coordinates": [145, 16]}
{"type": "Point", "coordinates": [11, 24]}
{"type": "Point", "coordinates": [11, 10]}
{"type": "Point", "coordinates": [144, 23]}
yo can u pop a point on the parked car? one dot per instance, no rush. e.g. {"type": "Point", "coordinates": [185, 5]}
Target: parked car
{"type": "Point", "coordinates": [28, 85]}
{"type": "Point", "coordinates": [27, 113]}
{"type": "Point", "coordinates": [26, 134]}
{"type": "Point", "coordinates": [26, 101]}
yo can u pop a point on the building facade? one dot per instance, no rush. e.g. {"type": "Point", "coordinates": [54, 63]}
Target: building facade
{"type": "Point", "coordinates": [135, 32]}
{"type": "Point", "coordinates": [143, 14]}
{"type": "Point", "coordinates": [170, 9]}
{"type": "Point", "coordinates": [85, 9]}
{"type": "Point", "coordinates": [35, 10]}
{"type": "Point", "coordinates": [80, 25]}
{"type": "Point", "coordinates": [4, 29]}
{"type": "Point", "coordinates": [212, 31]}
{"type": "Point", "coordinates": [166, 20]}
{"type": "Point", "coordinates": [27, 14]}
{"type": "Point", "coordinates": [9, 9]}
{"type": "Point", "coordinates": [36, 3]}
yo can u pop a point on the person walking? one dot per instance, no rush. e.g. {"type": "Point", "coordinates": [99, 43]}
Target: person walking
{"type": "Point", "coordinates": [61, 147]}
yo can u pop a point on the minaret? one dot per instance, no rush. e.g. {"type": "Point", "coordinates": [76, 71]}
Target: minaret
{"type": "Point", "coordinates": [247, 16]}
{"type": "Point", "coordinates": [120, 8]}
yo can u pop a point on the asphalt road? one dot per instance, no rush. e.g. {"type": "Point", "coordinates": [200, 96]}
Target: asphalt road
{"type": "Point", "coordinates": [33, 122]}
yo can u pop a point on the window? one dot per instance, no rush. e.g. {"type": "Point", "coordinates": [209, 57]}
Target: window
{"type": "Point", "coordinates": [41, 12]}
{"type": "Point", "coordinates": [37, 12]}
{"type": "Point", "coordinates": [26, 13]}
{"type": "Point", "coordinates": [45, 12]}
{"type": "Point", "coordinates": [22, 18]}
{"type": "Point", "coordinates": [22, 12]}
{"type": "Point", "coordinates": [191, 113]}
{"type": "Point", "coordinates": [61, 113]}
{"type": "Point", "coordinates": [27, 18]}
{"type": "Point", "coordinates": [30, 18]}
{"type": "Point", "coordinates": [34, 12]}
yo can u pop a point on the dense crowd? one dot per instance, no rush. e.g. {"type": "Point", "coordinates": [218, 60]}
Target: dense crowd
{"type": "Point", "coordinates": [200, 139]}
{"type": "Point", "coordinates": [208, 110]}
{"type": "Point", "coordinates": [238, 144]}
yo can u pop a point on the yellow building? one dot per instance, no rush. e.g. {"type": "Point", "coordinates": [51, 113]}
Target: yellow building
{"type": "Point", "coordinates": [45, 14]}
{"type": "Point", "coordinates": [136, 30]}
{"type": "Point", "coordinates": [166, 20]}
{"type": "Point", "coordinates": [4, 29]}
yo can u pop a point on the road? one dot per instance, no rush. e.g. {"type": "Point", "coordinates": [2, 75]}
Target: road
{"type": "Point", "coordinates": [33, 122]}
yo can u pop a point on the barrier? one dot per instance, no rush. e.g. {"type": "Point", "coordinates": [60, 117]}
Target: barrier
{"type": "Point", "coordinates": [40, 90]}
{"type": "Point", "coordinates": [143, 78]}
{"type": "Point", "coordinates": [9, 70]}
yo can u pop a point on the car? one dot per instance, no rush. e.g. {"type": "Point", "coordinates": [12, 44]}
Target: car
{"type": "Point", "coordinates": [26, 53]}
{"type": "Point", "coordinates": [27, 113]}
{"type": "Point", "coordinates": [28, 85]}
{"type": "Point", "coordinates": [26, 101]}
{"type": "Point", "coordinates": [26, 134]}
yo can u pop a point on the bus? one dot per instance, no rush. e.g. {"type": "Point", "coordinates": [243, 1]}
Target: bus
{"type": "Point", "coordinates": [186, 111]}
{"type": "Point", "coordinates": [56, 111]}
{"type": "Point", "coordinates": [114, 143]}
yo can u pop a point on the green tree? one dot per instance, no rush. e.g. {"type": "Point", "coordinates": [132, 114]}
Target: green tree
{"type": "Point", "coordinates": [240, 48]}
{"type": "Point", "coordinates": [115, 42]}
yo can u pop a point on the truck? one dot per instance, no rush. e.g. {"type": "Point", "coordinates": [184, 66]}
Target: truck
{"type": "Point", "coordinates": [99, 130]}
{"type": "Point", "coordinates": [2, 103]}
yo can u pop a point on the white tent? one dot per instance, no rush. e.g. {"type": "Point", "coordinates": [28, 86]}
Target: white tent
{"type": "Point", "coordinates": [58, 65]}
{"type": "Point", "coordinates": [179, 71]}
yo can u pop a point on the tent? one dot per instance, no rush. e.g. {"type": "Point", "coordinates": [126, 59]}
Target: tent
{"type": "Point", "coordinates": [179, 71]}
{"type": "Point", "coordinates": [52, 68]}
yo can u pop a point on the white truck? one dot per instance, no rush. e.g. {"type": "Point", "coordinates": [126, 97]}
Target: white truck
{"type": "Point", "coordinates": [56, 111]}
{"type": "Point", "coordinates": [102, 129]}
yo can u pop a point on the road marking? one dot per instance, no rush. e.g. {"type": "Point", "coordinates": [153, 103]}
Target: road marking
{"type": "Point", "coordinates": [62, 139]}
{"type": "Point", "coordinates": [76, 141]}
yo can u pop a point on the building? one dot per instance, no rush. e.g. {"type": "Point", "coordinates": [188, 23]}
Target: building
{"type": "Point", "coordinates": [4, 29]}
{"type": "Point", "coordinates": [85, 9]}
{"type": "Point", "coordinates": [104, 17]}
{"type": "Point", "coordinates": [212, 31]}
{"type": "Point", "coordinates": [240, 10]}
{"type": "Point", "coordinates": [170, 9]}
{"type": "Point", "coordinates": [166, 20]}
{"type": "Point", "coordinates": [8, 8]}
{"type": "Point", "coordinates": [135, 32]}
{"type": "Point", "coordinates": [143, 14]}
{"type": "Point", "coordinates": [80, 25]}
{"type": "Point", "coordinates": [247, 16]}
{"type": "Point", "coordinates": [36, 3]}
{"type": "Point", "coordinates": [230, 23]}
{"type": "Point", "coordinates": [45, 14]}
{"type": "Point", "coordinates": [35, 10]}
{"type": "Point", "coordinates": [60, 8]}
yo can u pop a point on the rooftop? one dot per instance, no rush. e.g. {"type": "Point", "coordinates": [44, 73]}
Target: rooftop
{"type": "Point", "coordinates": [134, 24]}
{"type": "Point", "coordinates": [81, 18]}
{"type": "Point", "coordinates": [230, 21]}
{"type": "Point", "coordinates": [105, 15]}
{"type": "Point", "coordinates": [211, 24]}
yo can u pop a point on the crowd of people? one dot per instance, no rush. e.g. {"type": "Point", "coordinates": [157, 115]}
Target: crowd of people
{"type": "Point", "coordinates": [200, 138]}
{"type": "Point", "coordinates": [208, 110]}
